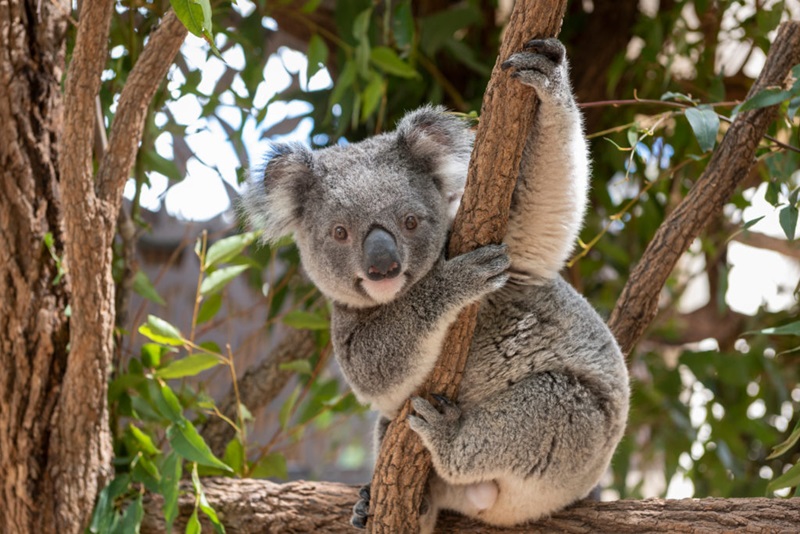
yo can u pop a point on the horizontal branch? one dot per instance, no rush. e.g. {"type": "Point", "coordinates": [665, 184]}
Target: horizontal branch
{"type": "Point", "coordinates": [257, 506]}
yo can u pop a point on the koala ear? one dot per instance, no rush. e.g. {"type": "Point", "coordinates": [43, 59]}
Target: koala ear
{"type": "Point", "coordinates": [440, 142]}
{"type": "Point", "coordinates": [274, 203]}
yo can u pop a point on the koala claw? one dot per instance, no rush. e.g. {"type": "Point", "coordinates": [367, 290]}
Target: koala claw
{"type": "Point", "coordinates": [552, 49]}
{"type": "Point", "coordinates": [449, 409]}
{"type": "Point", "coordinates": [361, 508]}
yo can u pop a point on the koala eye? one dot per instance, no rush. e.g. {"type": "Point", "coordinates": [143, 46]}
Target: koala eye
{"type": "Point", "coordinates": [411, 222]}
{"type": "Point", "coordinates": [340, 233]}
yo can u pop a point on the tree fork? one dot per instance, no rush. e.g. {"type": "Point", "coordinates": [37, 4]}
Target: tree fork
{"type": "Point", "coordinates": [507, 116]}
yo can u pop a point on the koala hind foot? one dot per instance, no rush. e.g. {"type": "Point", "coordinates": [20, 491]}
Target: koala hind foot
{"type": "Point", "coordinates": [361, 508]}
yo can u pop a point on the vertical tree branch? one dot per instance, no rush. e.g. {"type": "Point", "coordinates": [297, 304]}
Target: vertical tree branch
{"type": "Point", "coordinates": [507, 115]}
{"type": "Point", "coordinates": [730, 164]}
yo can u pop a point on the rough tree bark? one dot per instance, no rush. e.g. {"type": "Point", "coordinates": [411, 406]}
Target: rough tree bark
{"type": "Point", "coordinates": [507, 114]}
{"type": "Point", "coordinates": [258, 506]}
{"type": "Point", "coordinates": [55, 445]}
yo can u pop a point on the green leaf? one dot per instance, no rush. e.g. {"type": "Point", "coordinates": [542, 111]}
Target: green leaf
{"type": "Point", "coordinates": [705, 124]}
{"type": "Point", "coordinates": [788, 220]}
{"type": "Point", "coordinates": [151, 354]}
{"type": "Point", "coordinates": [298, 366]}
{"type": "Point", "coordinates": [226, 249]}
{"type": "Point", "coordinates": [193, 525]}
{"type": "Point", "coordinates": [387, 60]}
{"type": "Point", "coordinates": [317, 55]}
{"type": "Point", "coordinates": [234, 454]}
{"type": "Point", "coordinates": [143, 287]}
{"type": "Point", "coordinates": [187, 442]}
{"type": "Point", "coordinates": [104, 511]}
{"type": "Point", "coordinates": [188, 366]}
{"type": "Point", "coordinates": [166, 402]}
{"type": "Point", "coordinates": [271, 465]}
{"type": "Point", "coordinates": [217, 280]}
{"type": "Point", "coordinates": [785, 446]}
{"type": "Point", "coordinates": [752, 222]}
{"type": "Point", "coordinates": [145, 442]}
{"type": "Point", "coordinates": [286, 410]}
{"type": "Point", "coordinates": [203, 502]}
{"type": "Point", "coordinates": [361, 24]}
{"type": "Point", "coordinates": [161, 331]}
{"type": "Point", "coordinates": [209, 308]}
{"type": "Point", "coordinates": [670, 95]}
{"type": "Point", "coordinates": [171, 471]}
{"type": "Point", "coordinates": [131, 518]}
{"type": "Point", "coordinates": [403, 25]}
{"type": "Point", "coordinates": [772, 193]}
{"type": "Point", "coordinates": [371, 96]}
{"type": "Point", "coordinates": [794, 105]}
{"type": "Point", "coordinates": [787, 480]}
{"type": "Point", "coordinates": [765, 98]}
{"type": "Point", "coordinates": [303, 320]}
{"type": "Point", "coordinates": [343, 83]}
{"type": "Point", "coordinates": [791, 329]}
{"type": "Point", "coordinates": [194, 14]}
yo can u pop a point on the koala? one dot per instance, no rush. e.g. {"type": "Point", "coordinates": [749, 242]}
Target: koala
{"type": "Point", "coordinates": [544, 396]}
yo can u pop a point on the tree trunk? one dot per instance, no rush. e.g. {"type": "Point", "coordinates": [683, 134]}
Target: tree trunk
{"type": "Point", "coordinates": [33, 326]}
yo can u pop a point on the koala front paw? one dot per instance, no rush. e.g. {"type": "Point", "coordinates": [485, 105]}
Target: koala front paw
{"type": "Point", "coordinates": [361, 508]}
{"type": "Point", "coordinates": [480, 271]}
{"type": "Point", "coordinates": [434, 427]}
{"type": "Point", "coordinates": [542, 65]}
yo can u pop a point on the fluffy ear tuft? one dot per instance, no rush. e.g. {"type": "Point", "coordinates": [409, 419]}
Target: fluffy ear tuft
{"type": "Point", "coordinates": [441, 142]}
{"type": "Point", "coordinates": [275, 195]}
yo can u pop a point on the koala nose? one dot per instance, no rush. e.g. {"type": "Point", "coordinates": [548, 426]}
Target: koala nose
{"type": "Point", "coordinates": [381, 259]}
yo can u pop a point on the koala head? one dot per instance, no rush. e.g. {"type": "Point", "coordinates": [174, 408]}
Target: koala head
{"type": "Point", "coordinates": [371, 218]}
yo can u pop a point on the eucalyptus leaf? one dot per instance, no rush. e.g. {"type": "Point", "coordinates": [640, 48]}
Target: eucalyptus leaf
{"type": "Point", "coordinates": [171, 471]}
{"type": "Point", "coordinates": [303, 320]}
{"type": "Point", "coordinates": [209, 308]}
{"type": "Point", "coordinates": [188, 366]}
{"type": "Point", "coordinates": [228, 248]}
{"type": "Point", "coordinates": [765, 98]}
{"type": "Point", "coordinates": [387, 60]}
{"type": "Point", "coordinates": [788, 479]}
{"type": "Point", "coordinates": [144, 288]}
{"type": "Point", "coordinates": [186, 441]}
{"type": "Point", "coordinates": [217, 280]}
{"type": "Point", "coordinates": [705, 125]}
{"type": "Point", "coordinates": [160, 331]}
{"type": "Point", "coordinates": [788, 219]}
{"type": "Point", "coordinates": [317, 55]}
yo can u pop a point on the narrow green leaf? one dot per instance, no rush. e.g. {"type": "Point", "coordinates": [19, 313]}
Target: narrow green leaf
{"type": "Point", "coordinates": [752, 222]}
{"type": "Point", "coordinates": [317, 55]}
{"type": "Point", "coordinates": [772, 193]}
{"type": "Point", "coordinates": [187, 442]}
{"type": "Point", "coordinates": [151, 354]}
{"type": "Point", "coordinates": [270, 465]}
{"type": "Point", "coordinates": [188, 366]}
{"type": "Point", "coordinates": [303, 320]}
{"type": "Point", "coordinates": [234, 454]}
{"type": "Point", "coordinates": [298, 366]}
{"type": "Point", "coordinates": [387, 60]}
{"type": "Point", "coordinates": [670, 95]}
{"type": "Point", "coordinates": [194, 14]}
{"type": "Point", "coordinates": [787, 480]}
{"type": "Point", "coordinates": [202, 501]}
{"type": "Point", "coordinates": [785, 446]}
{"type": "Point", "coordinates": [705, 125]}
{"type": "Point", "coordinates": [145, 442]}
{"type": "Point", "coordinates": [361, 24]}
{"type": "Point", "coordinates": [171, 471]}
{"type": "Point", "coordinates": [791, 329]}
{"type": "Point", "coordinates": [166, 402]}
{"type": "Point", "coordinates": [144, 288]}
{"type": "Point", "coordinates": [765, 98]}
{"type": "Point", "coordinates": [371, 97]}
{"type": "Point", "coordinates": [132, 518]}
{"type": "Point", "coordinates": [104, 511]}
{"type": "Point", "coordinates": [794, 105]}
{"type": "Point", "coordinates": [209, 308]}
{"type": "Point", "coordinates": [161, 331]}
{"type": "Point", "coordinates": [226, 249]}
{"type": "Point", "coordinates": [217, 280]}
{"type": "Point", "coordinates": [788, 219]}
{"type": "Point", "coordinates": [193, 525]}
{"type": "Point", "coordinates": [286, 410]}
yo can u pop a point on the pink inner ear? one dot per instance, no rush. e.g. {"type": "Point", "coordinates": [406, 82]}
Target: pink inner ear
{"type": "Point", "coordinates": [482, 495]}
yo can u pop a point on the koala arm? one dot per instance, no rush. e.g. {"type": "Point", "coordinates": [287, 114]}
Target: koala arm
{"type": "Point", "coordinates": [387, 351]}
{"type": "Point", "coordinates": [550, 198]}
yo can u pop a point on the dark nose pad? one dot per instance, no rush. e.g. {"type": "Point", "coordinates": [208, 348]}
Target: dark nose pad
{"type": "Point", "coordinates": [381, 259]}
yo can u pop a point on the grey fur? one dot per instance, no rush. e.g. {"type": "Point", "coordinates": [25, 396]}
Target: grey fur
{"type": "Point", "coordinates": [544, 398]}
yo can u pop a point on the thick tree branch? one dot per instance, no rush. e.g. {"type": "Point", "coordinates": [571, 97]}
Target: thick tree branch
{"type": "Point", "coordinates": [507, 116]}
{"type": "Point", "coordinates": [259, 386]}
{"type": "Point", "coordinates": [750, 238]}
{"type": "Point", "coordinates": [142, 83]}
{"type": "Point", "coordinates": [730, 164]}
{"type": "Point", "coordinates": [259, 506]}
